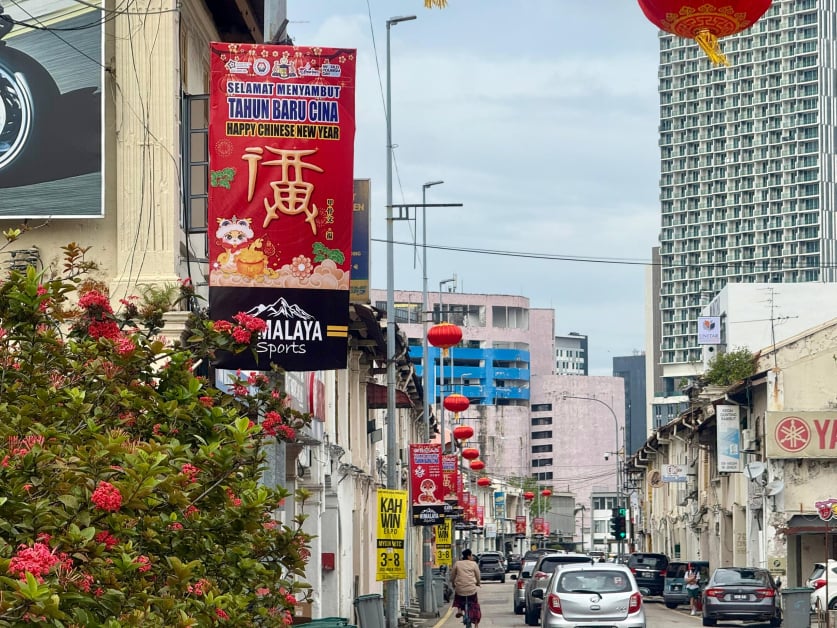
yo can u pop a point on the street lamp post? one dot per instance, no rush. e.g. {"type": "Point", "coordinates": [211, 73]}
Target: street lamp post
{"type": "Point", "coordinates": [428, 603]}
{"type": "Point", "coordinates": [616, 454]}
{"type": "Point", "coordinates": [391, 588]}
{"type": "Point", "coordinates": [425, 356]}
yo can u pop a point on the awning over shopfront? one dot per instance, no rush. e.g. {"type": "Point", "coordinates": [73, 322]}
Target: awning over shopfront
{"type": "Point", "coordinates": [376, 397]}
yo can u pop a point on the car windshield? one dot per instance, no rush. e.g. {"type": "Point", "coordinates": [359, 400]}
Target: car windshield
{"type": "Point", "coordinates": [549, 564]}
{"type": "Point", "coordinates": [741, 576]}
{"type": "Point", "coordinates": [604, 581]}
{"type": "Point", "coordinates": [648, 561]}
{"type": "Point", "coordinates": [819, 570]}
{"type": "Point", "coordinates": [489, 560]}
{"type": "Point", "coordinates": [528, 566]}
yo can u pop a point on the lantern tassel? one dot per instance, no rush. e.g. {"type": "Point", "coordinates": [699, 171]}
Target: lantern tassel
{"type": "Point", "coordinates": [429, 4]}
{"type": "Point", "coordinates": [709, 43]}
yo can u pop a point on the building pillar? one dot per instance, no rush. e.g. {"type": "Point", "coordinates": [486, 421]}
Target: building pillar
{"type": "Point", "coordinates": [147, 106]}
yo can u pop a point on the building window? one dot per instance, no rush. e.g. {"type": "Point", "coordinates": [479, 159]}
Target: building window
{"type": "Point", "coordinates": [542, 462]}
{"type": "Point", "coordinates": [544, 420]}
{"type": "Point", "coordinates": [604, 503]}
{"type": "Point", "coordinates": [541, 407]}
{"type": "Point", "coordinates": [507, 317]}
{"type": "Point", "coordinates": [542, 476]}
{"type": "Point", "coordinates": [541, 449]}
{"type": "Point", "coordinates": [541, 435]}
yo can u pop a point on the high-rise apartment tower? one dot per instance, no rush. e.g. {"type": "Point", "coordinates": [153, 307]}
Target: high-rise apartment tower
{"type": "Point", "coordinates": [747, 186]}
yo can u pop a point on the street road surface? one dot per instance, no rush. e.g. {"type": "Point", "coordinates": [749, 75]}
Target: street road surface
{"type": "Point", "coordinates": [496, 604]}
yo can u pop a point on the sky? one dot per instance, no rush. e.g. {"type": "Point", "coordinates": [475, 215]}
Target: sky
{"type": "Point", "coordinates": [541, 117]}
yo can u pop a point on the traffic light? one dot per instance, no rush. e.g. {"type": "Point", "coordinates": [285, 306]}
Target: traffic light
{"type": "Point", "coordinates": [618, 523]}
{"type": "Point", "coordinates": [614, 522]}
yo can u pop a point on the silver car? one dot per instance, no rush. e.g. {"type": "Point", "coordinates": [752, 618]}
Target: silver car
{"type": "Point", "coordinates": [519, 595]}
{"type": "Point", "coordinates": [543, 570]}
{"type": "Point", "coordinates": [603, 594]}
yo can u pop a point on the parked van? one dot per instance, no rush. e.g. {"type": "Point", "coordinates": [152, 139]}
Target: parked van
{"type": "Point", "coordinates": [674, 592]}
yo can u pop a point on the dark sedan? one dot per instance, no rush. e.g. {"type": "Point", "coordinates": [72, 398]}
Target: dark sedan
{"type": "Point", "coordinates": [741, 593]}
{"type": "Point", "coordinates": [513, 562]}
{"type": "Point", "coordinates": [491, 568]}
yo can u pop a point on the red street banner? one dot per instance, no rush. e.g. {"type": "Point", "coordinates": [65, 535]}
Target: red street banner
{"type": "Point", "coordinates": [281, 153]}
{"type": "Point", "coordinates": [450, 469]}
{"type": "Point", "coordinates": [537, 525]}
{"type": "Point", "coordinates": [472, 512]}
{"type": "Point", "coordinates": [427, 489]}
{"type": "Point", "coordinates": [481, 516]}
{"type": "Point", "coordinates": [546, 528]}
{"type": "Point", "coordinates": [520, 524]}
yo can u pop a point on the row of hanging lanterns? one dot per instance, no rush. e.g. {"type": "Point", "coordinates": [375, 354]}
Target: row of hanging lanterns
{"type": "Point", "coordinates": [529, 495]}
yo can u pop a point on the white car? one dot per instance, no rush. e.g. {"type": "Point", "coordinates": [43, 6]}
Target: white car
{"type": "Point", "coordinates": [597, 595]}
{"type": "Point", "coordinates": [817, 582]}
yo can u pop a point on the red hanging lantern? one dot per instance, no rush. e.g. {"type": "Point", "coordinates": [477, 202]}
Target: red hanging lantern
{"type": "Point", "coordinates": [444, 336]}
{"type": "Point", "coordinates": [546, 492]}
{"type": "Point", "coordinates": [705, 21]}
{"type": "Point", "coordinates": [528, 495]}
{"type": "Point", "coordinates": [477, 465]}
{"type": "Point", "coordinates": [463, 432]}
{"type": "Point", "coordinates": [470, 453]}
{"type": "Point", "coordinates": [456, 403]}
{"type": "Point", "coordinates": [484, 482]}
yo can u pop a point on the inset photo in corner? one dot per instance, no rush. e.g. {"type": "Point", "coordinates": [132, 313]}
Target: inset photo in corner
{"type": "Point", "coordinates": [51, 109]}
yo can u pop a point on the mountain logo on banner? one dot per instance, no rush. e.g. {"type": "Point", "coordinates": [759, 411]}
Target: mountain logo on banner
{"type": "Point", "coordinates": [280, 309]}
{"type": "Point", "coordinates": [289, 324]}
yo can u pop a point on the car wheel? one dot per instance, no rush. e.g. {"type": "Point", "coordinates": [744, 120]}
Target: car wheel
{"type": "Point", "coordinates": [671, 604]}
{"type": "Point", "coordinates": [776, 621]}
{"type": "Point", "coordinates": [503, 580]}
{"type": "Point", "coordinates": [832, 605]}
{"type": "Point", "coordinates": [709, 621]}
{"type": "Point", "coordinates": [518, 610]}
{"type": "Point", "coordinates": [531, 618]}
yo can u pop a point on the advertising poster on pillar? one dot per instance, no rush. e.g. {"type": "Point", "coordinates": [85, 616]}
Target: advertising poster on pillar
{"type": "Point", "coordinates": [450, 469]}
{"type": "Point", "coordinates": [427, 488]}
{"type": "Point", "coordinates": [281, 152]}
{"type": "Point", "coordinates": [520, 526]}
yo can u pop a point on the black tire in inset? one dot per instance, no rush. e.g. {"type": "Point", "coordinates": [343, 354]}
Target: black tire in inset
{"type": "Point", "coordinates": [28, 98]}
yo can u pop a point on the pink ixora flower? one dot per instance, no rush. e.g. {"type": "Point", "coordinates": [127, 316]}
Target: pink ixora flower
{"type": "Point", "coordinates": [107, 497]}
{"type": "Point", "coordinates": [144, 563]}
{"type": "Point", "coordinates": [107, 539]}
{"type": "Point", "coordinates": [250, 322]}
{"type": "Point", "coordinates": [190, 471]}
{"type": "Point", "coordinates": [37, 560]}
{"type": "Point", "coordinates": [222, 614]}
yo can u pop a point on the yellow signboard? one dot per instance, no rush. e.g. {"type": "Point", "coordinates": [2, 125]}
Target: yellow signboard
{"type": "Point", "coordinates": [392, 532]}
{"type": "Point", "coordinates": [444, 541]}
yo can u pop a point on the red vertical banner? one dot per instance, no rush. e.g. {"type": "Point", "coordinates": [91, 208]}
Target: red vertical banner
{"type": "Point", "coordinates": [537, 525]}
{"type": "Point", "coordinates": [520, 525]}
{"type": "Point", "coordinates": [281, 154]}
{"type": "Point", "coordinates": [450, 469]}
{"type": "Point", "coordinates": [472, 513]}
{"type": "Point", "coordinates": [427, 488]}
{"type": "Point", "coordinates": [481, 516]}
{"type": "Point", "coordinates": [545, 527]}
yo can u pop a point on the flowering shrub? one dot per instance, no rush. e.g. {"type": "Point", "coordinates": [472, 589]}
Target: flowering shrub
{"type": "Point", "coordinates": [130, 490]}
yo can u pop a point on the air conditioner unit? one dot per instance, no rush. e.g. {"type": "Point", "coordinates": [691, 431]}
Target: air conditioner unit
{"type": "Point", "coordinates": [749, 441]}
